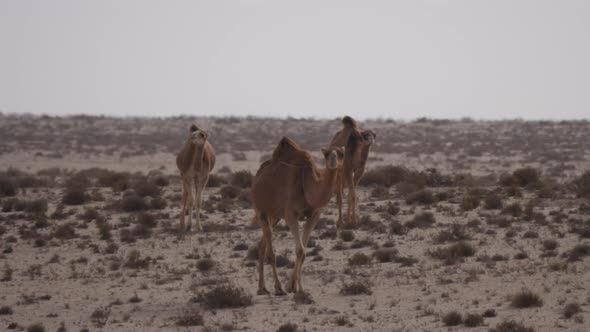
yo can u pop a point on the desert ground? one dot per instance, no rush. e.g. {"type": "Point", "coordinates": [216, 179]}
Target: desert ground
{"type": "Point", "coordinates": [464, 225]}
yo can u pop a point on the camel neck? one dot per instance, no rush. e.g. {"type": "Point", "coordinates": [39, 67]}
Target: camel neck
{"type": "Point", "coordinates": [320, 191]}
{"type": "Point", "coordinates": [197, 154]}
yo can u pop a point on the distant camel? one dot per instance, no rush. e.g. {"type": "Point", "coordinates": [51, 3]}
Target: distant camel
{"type": "Point", "coordinates": [290, 186]}
{"type": "Point", "coordinates": [195, 161]}
{"type": "Point", "coordinates": [357, 144]}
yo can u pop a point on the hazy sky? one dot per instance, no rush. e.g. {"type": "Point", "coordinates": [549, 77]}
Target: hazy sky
{"type": "Point", "coordinates": [399, 59]}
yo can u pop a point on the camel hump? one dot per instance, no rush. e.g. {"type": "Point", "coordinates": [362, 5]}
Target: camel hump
{"type": "Point", "coordinates": [288, 151]}
{"type": "Point", "coordinates": [347, 121]}
{"type": "Point", "coordinates": [264, 164]}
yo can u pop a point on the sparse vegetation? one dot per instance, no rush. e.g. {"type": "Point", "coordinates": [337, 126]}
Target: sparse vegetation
{"type": "Point", "coordinates": [226, 296]}
{"type": "Point", "coordinates": [356, 287]}
{"type": "Point", "coordinates": [571, 309]}
{"type": "Point", "coordinates": [526, 299]}
{"type": "Point", "coordinates": [453, 253]}
{"type": "Point", "coordinates": [452, 318]}
{"type": "Point", "coordinates": [511, 326]}
{"type": "Point", "coordinates": [421, 220]}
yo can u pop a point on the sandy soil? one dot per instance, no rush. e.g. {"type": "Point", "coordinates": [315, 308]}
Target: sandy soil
{"type": "Point", "coordinates": [58, 268]}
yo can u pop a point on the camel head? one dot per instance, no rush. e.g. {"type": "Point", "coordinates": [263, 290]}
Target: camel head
{"type": "Point", "coordinates": [334, 157]}
{"type": "Point", "coordinates": [197, 135]}
{"type": "Point", "coordinates": [368, 137]}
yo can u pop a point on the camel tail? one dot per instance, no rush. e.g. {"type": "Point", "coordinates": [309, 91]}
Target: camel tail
{"type": "Point", "coordinates": [347, 121]}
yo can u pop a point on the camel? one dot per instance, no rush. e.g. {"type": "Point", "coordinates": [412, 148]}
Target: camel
{"type": "Point", "coordinates": [195, 161]}
{"type": "Point", "coordinates": [357, 144]}
{"type": "Point", "coordinates": [290, 186]}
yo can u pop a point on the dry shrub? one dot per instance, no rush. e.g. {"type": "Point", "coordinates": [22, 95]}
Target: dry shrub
{"type": "Point", "coordinates": [190, 317]}
{"type": "Point", "coordinates": [89, 214]}
{"type": "Point", "coordinates": [216, 181]}
{"type": "Point", "coordinates": [5, 310]}
{"type": "Point", "coordinates": [242, 179]}
{"type": "Point", "coordinates": [226, 296]}
{"type": "Point", "coordinates": [423, 196]}
{"type": "Point", "coordinates": [144, 188]}
{"type": "Point", "coordinates": [383, 176]}
{"type": "Point", "coordinates": [421, 220]}
{"type": "Point", "coordinates": [469, 202]}
{"type": "Point", "coordinates": [526, 299]}
{"type": "Point", "coordinates": [526, 176]}
{"type": "Point", "coordinates": [359, 259]}
{"type": "Point", "coordinates": [511, 326]}
{"type": "Point", "coordinates": [473, 320]}
{"type": "Point", "coordinates": [229, 192]}
{"type": "Point", "coordinates": [380, 192]}
{"type": "Point", "coordinates": [356, 287]}
{"type": "Point", "coordinates": [452, 318]}
{"type": "Point", "coordinates": [550, 244]}
{"type": "Point", "coordinates": [205, 264]}
{"type": "Point", "coordinates": [582, 185]}
{"type": "Point", "coordinates": [65, 231]}
{"type": "Point", "coordinates": [74, 196]}
{"type": "Point", "coordinates": [499, 221]}
{"type": "Point", "coordinates": [288, 327]}
{"type": "Point", "coordinates": [126, 235]}
{"type": "Point", "coordinates": [116, 181]}
{"type": "Point", "coordinates": [397, 228]}
{"type": "Point", "coordinates": [134, 260]}
{"type": "Point", "coordinates": [100, 316]}
{"type": "Point", "coordinates": [453, 253]}
{"type": "Point", "coordinates": [578, 252]}
{"type": "Point", "coordinates": [571, 309]}
{"type": "Point", "coordinates": [37, 327]}
{"type": "Point", "coordinates": [493, 202]}
{"type": "Point", "coordinates": [456, 233]}
{"type": "Point", "coordinates": [132, 202]}
{"type": "Point", "coordinates": [158, 203]}
{"type": "Point", "coordinates": [303, 298]}
{"type": "Point", "coordinates": [513, 209]}
{"type": "Point", "coordinates": [8, 186]}
{"type": "Point", "coordinates": [385, 255]}
{"type": "Point", "coordinates": [347, 235]}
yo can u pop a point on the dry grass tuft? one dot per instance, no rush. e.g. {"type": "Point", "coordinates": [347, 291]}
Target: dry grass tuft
{"type": "Point", "coordinates": [356, 287]}
{"type": "Point", "coordinates": [226, 296]}
{"type": "Point", "coordinates": [526, 299]}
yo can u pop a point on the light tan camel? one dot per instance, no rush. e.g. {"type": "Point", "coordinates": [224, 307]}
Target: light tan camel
{"type": "Point", "coordinates": [195, 161]}
{"type": "Point", "coordinates": [357, 144]}
{"type": "Point", "coordinates": [290, 186]}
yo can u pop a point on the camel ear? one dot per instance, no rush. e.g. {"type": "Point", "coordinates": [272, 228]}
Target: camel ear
{"type": "Point", "coordinates": [193, 128]}
{"type": "Point", "coordinates": [340, 152]}
{"type": "Point", "coordinates": [325, 152]}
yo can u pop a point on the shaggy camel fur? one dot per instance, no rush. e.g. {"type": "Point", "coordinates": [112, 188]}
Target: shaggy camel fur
{"type": "Point", "coordinates": [357, 144]}
{"type": "Point", "coordinates": [195, 161]}
{"type": "Point", "coordinates": [290, 186]}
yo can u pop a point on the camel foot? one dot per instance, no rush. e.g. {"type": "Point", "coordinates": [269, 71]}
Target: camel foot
{"type": "Point", "coordinates": [291, 287]}
{"type": "Point", "coordinates": [262, 291]}
{"type": "Point", "coordinates": [279, 291]}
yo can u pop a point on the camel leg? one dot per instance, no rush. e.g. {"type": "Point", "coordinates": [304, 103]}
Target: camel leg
{"type": "Point", "coordinates": [351, 216]}
{"type": "Point", "coordinates": [339, 192]}
{"type": "Point", "coordinates": [352, 200]}
{"type": "Point", "coordinates": [267, 233]}
{"type": "Point", "coordinates": [199, 187]}
{"type": "Point", "coordinates": [293, 224]}
{"type": "Point", "coordinates": [261, 256]}
{"type": "Point", "coordinates": [183, 209]}
{"type": "Point", "coordinates": [310, 226]}
{"type": "Point", "coordinates": [189, 203]}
